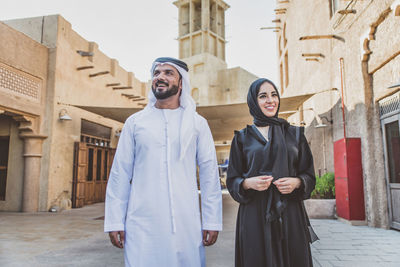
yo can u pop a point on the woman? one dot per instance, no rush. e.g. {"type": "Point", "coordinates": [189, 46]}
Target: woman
{"type": "Point", "coordinates": [270, 172]}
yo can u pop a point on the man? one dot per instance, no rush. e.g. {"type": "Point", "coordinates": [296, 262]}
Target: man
{"type": "Point", "coordinates": [152, 204]}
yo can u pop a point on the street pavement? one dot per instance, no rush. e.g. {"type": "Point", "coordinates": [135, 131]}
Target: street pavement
{"type": "Point", "coordinates": [75, 238]}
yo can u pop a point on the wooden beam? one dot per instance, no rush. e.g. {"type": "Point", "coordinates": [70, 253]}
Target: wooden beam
{"type": "Point", "coordinates": [112, 84]}
{"type": "Point", "coordinates": [122, 87]}
{"type": "Point", "coordinates": [347, 11]}
{"type": "Point", "coordinates": [385, 94]}
{"type": "Point", "coordinates": [385, 62]}
{"type": "Point", "coordinates": [313, 55]}
{"type": "Point", "coordinates": [131, 96]}
{"type": "Point", "coordinates": [98, 74]}
{"type": "Point", "coordinates": [84, 67]}
{"type": "Point", "coordinates": [317, 37]}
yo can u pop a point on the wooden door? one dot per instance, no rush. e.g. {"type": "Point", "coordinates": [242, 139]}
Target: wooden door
{"type": "Point", "coordinates": [92, 167]}
{"type": "Point", "coordinates": [107, 163]}
{"type": "Point", "coordinates": [91, 175]}
{"type": "Point", "coordinates": [80, 174]}
{"type": "Point", "coordinates": [98, 192]}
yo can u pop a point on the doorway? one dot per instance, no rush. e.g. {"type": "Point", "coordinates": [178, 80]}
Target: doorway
{"type": "Point", "coordinates": [93, 157]}
{"type": "Point", "coordinates": [92, 166]}
{"type": "Point", "coordinates": [390, 124]}
{"type": "Point", "coordinates": [4, 147]}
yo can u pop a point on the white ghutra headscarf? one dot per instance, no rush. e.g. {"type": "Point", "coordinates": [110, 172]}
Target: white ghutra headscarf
{"type": "Point", "coordinates": [185, 100]}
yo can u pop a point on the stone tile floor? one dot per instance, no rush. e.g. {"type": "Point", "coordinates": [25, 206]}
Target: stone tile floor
{"type": "Point", "coordinates": [76, 238]}
{"type": "Point", "coordinates": [341, 244]}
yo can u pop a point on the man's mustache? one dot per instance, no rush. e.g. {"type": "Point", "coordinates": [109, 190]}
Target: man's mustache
{"type": "Point", "coordinates": [161, 82]}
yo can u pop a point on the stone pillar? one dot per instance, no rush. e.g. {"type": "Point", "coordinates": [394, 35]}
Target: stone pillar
{"type": "Point", "coordinates": [28, 129]}
{"type": "Point", "coordinates": [32, 161]}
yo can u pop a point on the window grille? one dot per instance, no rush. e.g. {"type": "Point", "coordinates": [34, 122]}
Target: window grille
{"type": "Point", "coordinates": [389, 104]}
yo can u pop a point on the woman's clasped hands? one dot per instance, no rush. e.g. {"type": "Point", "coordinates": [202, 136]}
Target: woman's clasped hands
{"type": "Point", "coordinates": [285, 185]}
{"type": "Point", "coordinates": [259, 183]}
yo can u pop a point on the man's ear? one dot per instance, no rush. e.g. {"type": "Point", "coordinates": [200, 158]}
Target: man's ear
{"type": "Point", "coordinates": [180, 87]}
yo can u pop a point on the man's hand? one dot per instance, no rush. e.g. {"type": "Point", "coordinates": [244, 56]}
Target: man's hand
{"type": "Point", "coordinates": [117, 238]}
{"type": "Point", "coordinates": [286, 185]}
{"type": "Point", "coordinates": [259, 183]}
{"type": "Point", "coordinates": [209, 237]}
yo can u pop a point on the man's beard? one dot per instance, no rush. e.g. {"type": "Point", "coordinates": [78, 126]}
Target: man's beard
{"type": "Point", "coordinates": [173, 90]}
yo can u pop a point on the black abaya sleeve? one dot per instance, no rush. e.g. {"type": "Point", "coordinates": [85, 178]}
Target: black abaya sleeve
{"type": "Point", "coordinates": [305, 170]}
{"type": "Point", "coordinates": [235, 173]}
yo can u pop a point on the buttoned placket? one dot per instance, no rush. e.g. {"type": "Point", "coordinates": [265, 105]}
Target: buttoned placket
{"type": "Point", "coordinates": [168, 164]}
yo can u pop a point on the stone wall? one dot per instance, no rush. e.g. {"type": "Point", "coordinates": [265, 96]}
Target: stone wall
{"type": "Point", "coordinates": [361, 36]}
{"type": "Point", "coordinates": [23, 83]}
{"type": "Point", "coordinates": [79, 74]}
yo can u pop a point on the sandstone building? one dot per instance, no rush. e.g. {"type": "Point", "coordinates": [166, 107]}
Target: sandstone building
{"type": "Point", "coordinates": [52, 151]}
{"type": "Point", "coordinates": [346, 53]}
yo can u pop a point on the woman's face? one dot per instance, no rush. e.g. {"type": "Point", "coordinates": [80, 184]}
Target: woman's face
{"type": "Point", "coordinates": [268, 99]}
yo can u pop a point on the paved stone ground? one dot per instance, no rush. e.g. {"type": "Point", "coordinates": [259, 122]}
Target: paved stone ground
{"type": "Point", "coordinates": [75, 238]}
{"type": "Point", "coordinates": [341, 244]}
{"type": "Point", "coordinates": [70, 238]}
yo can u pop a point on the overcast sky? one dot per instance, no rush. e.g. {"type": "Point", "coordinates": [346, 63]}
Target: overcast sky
{"type": "Point", "coordinates": [135, 32]}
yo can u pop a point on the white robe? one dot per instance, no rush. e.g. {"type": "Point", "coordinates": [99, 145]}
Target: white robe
{"type": "Point", "coordinates": [159, 210]}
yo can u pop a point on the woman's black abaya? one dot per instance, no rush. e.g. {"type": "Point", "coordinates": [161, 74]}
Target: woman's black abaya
{"type": "Point", "coordinates": [271, 229]}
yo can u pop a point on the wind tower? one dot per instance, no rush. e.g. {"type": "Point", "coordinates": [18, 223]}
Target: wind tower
{"type": "Point", "coordinates": [202, 45]}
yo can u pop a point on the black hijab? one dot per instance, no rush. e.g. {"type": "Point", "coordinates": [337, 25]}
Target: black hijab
{"type": "Point", "coordinates": [259, 118]}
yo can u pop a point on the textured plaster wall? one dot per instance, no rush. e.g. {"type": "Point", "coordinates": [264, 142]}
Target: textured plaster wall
{"type": "Point", "coordinates": [366, 77]}
{"type": "Point", "coordinates": [67, 86]}
{"type": "Point", "coordinates": [23, 56]}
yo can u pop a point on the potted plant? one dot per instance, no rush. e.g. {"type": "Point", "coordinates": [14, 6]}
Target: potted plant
{"type": "Point", "coordinates": [322, 204]}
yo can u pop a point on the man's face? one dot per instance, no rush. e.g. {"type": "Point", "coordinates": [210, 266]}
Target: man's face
{"type": "Point", "coordinates": [166, 81]}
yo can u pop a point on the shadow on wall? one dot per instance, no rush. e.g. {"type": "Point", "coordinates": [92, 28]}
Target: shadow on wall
{"type": "Point", "coordinates": [360, 122]}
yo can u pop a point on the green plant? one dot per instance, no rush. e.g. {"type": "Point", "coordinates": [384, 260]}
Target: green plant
{"type": "Point", "coordinates": [325, 186]}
